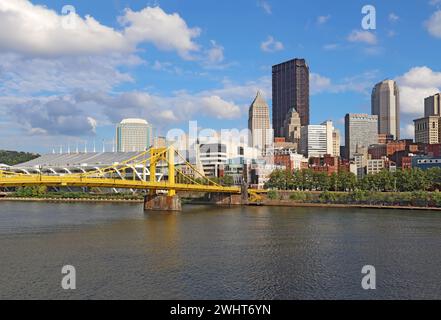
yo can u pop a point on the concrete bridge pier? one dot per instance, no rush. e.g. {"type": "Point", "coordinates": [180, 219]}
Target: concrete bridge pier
{"type": "Point", "coordinates": [155, 202]}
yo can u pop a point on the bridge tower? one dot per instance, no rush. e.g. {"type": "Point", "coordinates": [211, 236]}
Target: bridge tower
{"type": "Point", "coordinates": [159, 202]}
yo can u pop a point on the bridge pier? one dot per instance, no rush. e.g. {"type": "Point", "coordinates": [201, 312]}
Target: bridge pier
{"type": "Point", "coordinates": [155, 202]}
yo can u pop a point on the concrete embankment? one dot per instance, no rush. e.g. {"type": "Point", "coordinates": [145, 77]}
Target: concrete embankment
{"type": "Point", "coordinates": [72, 200]}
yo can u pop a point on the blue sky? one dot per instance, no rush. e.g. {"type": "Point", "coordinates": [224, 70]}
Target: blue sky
{"type": "Point", "coordinates": [175, 61]}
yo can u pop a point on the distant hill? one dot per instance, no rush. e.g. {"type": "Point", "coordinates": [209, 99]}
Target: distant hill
{"type": "Point", "coordinates": [13, 157]}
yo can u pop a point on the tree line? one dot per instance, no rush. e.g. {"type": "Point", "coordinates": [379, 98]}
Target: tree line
{"type": "Point", "coordinates": [385, 181]}
{"type": "Point", "coordinates": [12, 158]}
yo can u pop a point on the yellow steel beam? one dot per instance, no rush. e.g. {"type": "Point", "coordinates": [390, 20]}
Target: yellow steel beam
{"type": "Point", "coordinates": [57, 181]}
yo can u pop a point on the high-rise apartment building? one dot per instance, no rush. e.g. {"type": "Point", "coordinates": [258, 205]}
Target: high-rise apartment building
{"type": "Point", "coordinates": [259, 123]}
{"type": "Point", "coordinates": [386, 105]}
{"type": "Point", "coordinates": [290, 90]}
{"type": "Point", "coordinates": [361, 130]}
{"type": "Point", "coordinates": [134, 135]}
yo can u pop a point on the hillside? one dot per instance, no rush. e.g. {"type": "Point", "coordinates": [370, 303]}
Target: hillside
{"type": "Point", "coordinates": [13, 157]}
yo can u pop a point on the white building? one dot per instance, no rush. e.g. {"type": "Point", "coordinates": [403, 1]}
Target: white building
{"type": "Point", "coordinates": [375, 166]}
{"type": "Point", "coordinates": [261, 133]}
{"type": "Point", "coordinates": [134, 135]}
{"type": "Point", "coordinates": [318, 140]}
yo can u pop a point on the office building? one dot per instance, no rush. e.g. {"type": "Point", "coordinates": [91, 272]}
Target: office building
{"type": "Point", "coordinates": [134, 135]}
{"type": "Point", "coordinates": [375, 166]}
{"type": "Point", "coordinates": [292, 127]}
{"type": "Point", "coordinates": [432, 105]}
{"type": "Point", "coordinates": [259, 124]}
{"type": "Point", "coordinates": [386, 105]}
{"type": "Point", "coordinates": [427, 130]}
{"type": "Point", "coordinates": [317, 140]}
{"type": "Point", "coordinates": [336, 141]}
{"type": "Point", "coordinates": [360, 130]}
{"type": "Point", "coordinates": [290, 82]}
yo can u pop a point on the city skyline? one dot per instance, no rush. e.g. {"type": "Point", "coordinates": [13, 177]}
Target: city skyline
{"type": "Point", "coordinates": [210, 75]}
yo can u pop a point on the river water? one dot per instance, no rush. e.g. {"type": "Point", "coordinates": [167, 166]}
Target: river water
{"type": "Point", "coordinates": [119, 252]}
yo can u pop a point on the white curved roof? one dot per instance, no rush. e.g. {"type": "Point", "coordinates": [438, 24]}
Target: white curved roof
{"type": "Point", "coordinates": [134, 121]}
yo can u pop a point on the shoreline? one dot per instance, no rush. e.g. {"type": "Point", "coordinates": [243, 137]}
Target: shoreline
{"type": "Point", "coordinates": [267, 203]}
{"type": "Point", "coordinates": [71, 200]}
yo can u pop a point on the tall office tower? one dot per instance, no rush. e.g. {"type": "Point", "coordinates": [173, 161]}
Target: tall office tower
{"type": "Point", "coordinates": [386, 105]}
{"type": "Point", "coordinates": [134, 135]}
{"type": "Point", "coordinates": [336, 143]}
{"type": "Point", "coordinates": [290, 89]}
{"type": "Point", "coordinates": [317, 140]}
{"type": "Point", "coordinates": [432, 105]}
{"type": "Point", "coordinates": [361, 130]}
{"type": "Point", "coordinates": [427, 129]}
{"type": "Point", "coordinates": [259, 123]}
{"type": "Point", "coordinates": [292, 126]}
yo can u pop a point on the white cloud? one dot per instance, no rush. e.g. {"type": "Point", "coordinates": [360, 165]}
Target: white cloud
{"type": "Point", "coordinates": [35, 30]}
{"type": "Point", "coordinates": [319, 83]}
{"type": "Point", "coordinates": [360, 83]}
{"type": "Point", "coordinates": [421, 77]}
{"type": "Point", "coordinates": [271, 45]}
{"type": "Point", "coordinates": [331, 46]}
{"type": "Point", "coordinates": [433, 25]}
{"type": "Point", "coordinates": [363, 36]}
{"type": "Point", "coordinates": [166, 31]}
{"type": "Point", "coordinates": [53, 116]}
{"type": "Point", "coordinates": [435, 2]}
{"type": "Point", "coordinates": [408, 131]}
{"type": "Point", "coordinates": [265, 6]}
{"type": "Point", "coordinates": [416, 85]}
{"type": "Point", "coordinates": [21, 75]}
{"type": "Point", "coordinates": [215, 54]}
{"type": "Point", "coordinates": [393, 17]}
{"type": "Point", "coordinates": [323, 19]}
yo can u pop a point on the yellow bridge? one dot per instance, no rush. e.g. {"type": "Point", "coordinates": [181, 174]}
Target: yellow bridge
{"type": "Point", "coordinates": [181, 178]}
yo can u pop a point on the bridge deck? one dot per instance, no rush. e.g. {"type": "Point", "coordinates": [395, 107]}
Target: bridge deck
{"type": "Point", "coordinates": [66, 181]}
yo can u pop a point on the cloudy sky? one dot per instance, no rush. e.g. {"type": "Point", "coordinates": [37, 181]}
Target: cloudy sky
{"type": "Point", "coordinates": [68, 76]}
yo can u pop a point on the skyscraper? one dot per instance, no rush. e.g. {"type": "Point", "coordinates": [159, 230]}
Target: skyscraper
{"type": "Point", "coordinates": [134, 135]}
{"type": "Point", "coordinates": [427, 129]}
{"type": "Point", "coordinates": [386, 105]}
{"type": "Point", "coordinates": [259, 123]}
{"type": "Point", "coordinates": [361, 130]}
{"type": "Point", "coordinates": [432, 105]}
{"type": "Point", "coordinates": [290, 90]}
{"type": "Point", "coordinates": [317, 140]}
{"type": "Point", "coordinates": [292, 126]}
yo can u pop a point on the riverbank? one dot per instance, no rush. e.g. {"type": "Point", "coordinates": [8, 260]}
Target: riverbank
{"type": "Point", "coordinates": [280, 203]}
{"type": "Point", "coordinates": [88, 200]}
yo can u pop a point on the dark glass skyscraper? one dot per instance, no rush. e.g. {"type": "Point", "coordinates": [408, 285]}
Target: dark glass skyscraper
{"type": "Point", "coordinates": [290, 89]}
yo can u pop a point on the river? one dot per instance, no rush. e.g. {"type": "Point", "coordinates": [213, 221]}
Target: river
{"type": "Point", "coordinates": [119, 252]}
